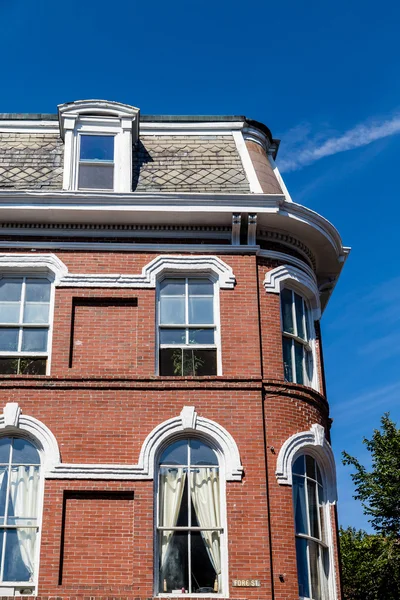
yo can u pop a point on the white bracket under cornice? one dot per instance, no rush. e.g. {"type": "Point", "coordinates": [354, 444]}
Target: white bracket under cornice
{"type": "Point", "coordinates": [304, 283]}
{"type": "Point", "coordinates": [163, 264]}
{"type": "Point", "coordinates": [311, 442]}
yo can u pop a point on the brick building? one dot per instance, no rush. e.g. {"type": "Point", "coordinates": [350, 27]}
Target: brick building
{"type": "Point", "coordinates": [164, 426]}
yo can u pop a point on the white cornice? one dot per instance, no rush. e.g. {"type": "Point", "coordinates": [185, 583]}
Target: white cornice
{"type": "Point", "coordinates": [122, 247]}
{"type": "Point", "coordinates": [29, 126]}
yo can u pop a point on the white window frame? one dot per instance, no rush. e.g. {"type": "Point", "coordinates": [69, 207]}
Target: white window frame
{"type": "Point", "coordinates": [99, 117]}
{"type": "Point", "coordinates": [17, 274]}
{"type": "Point", "coordinates": [216, 307]}
{"type": "Point", "coordinates": [17, 588]}
{"type": "Point", "coordinates": [308, 344]}
{"type": "Point", "coordinates": [328, 592]}
{"type": "Point", "coordinates": [223, 508]}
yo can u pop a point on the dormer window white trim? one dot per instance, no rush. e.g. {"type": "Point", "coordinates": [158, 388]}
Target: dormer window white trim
{"type": "Point", "coordinates": [103, 119]}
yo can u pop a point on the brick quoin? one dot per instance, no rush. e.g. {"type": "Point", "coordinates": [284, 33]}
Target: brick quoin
{"type": "Point", "coordinates": [103, 397]}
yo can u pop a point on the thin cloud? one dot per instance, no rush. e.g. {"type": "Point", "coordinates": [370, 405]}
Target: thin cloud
{"type": "Point", "coordinates": [301, 155]}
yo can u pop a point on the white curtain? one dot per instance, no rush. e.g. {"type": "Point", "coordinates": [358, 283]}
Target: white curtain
{"type": "Point", "coordinates": [24, 495]}
{"type": "Point", "coordinates": [172, 484]}
{"type": "Point", "coordinates": [205, 493]}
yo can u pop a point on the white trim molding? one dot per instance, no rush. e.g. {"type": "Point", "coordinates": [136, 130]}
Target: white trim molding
{"type": "Point", "coordinates": [251, 175]}
{"type": "Point", "coordinates": [300, 281]}
{"type": "Point", "coordinates": [311, 442]}
{"type": "Point", "coordinates": [188, 422]}
{"type": "Point", "coordinates": [163, 264]}
{"type": "Point", "coordinates": [14, 422]}
{"type": "Point", "coordinates": [48, 264]}
{"type": "Point", "coordinates": [99, 117]}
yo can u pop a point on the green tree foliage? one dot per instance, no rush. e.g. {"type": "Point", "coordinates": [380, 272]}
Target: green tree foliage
{"type": "Point", "coordinates": [370, 566]}
{"type": "Point", "coordinates": [379, 488]}
{"type": "Point", "coordinates": [371, 562]}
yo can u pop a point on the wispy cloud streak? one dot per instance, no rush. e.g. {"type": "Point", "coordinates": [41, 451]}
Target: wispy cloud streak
{"type": "Point", "coordinates": [300, 154]}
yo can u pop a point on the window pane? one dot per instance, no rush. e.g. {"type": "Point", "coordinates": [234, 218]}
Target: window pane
{"type": "Point", "coordinates": [172, 310]}
{"type": "Point", "coordinates": [10, 289]}
{"type": "Point", "coordinates": [9, 339]}
{"type": "Point", "coordinates": [172, 287]}
{"type": "Point", "coordinates": [205, 551]}
{"type": "Point", "coordinates": [9, 312]}
{"type": "Point", "coordinates": [298, 302]}
{"type": "Point", "coordinates": [201, 336]}
{"type": "Point", "coordinates": [308, 318]}
{"type": "Point", "coordinates": [287, 359]}
{"type": "Point", "coordinates": [200, 362]}
{"type": "Point", "coordinates": [174, 572]}
{"type": "Point", "coordinates": [34, 340]}
{"type": "Point", "coordinates": [97, 147]}
{"type": "Point", "coordinates": [3, 493]}
{"type": "Point", "coordinates": [37, 290]}
{"type": "Point", "coordinates": [96, 177]}
{"type": "Point", "coordinates": [22, 501]}
{"type": "Point", "coordinates": [298, 357]}
{"type": "Point", "coordinates": [287, 315]}
{"type": "Point", "coordinates": [24, 453]}
{"type": "Point", "coordinates": [298, 466]}
{"type": "Point", "coordinates": [172, 336]}
{"type": "Point", "coordinates": [201, 309]}
{"type": "Point", "coordinates": [200, 287]}
{"type": "Point", "coordinates": [36, 312]}
{"type": "Point", "coordinates": [309, 365]}
{"type": "Point", "coordinates": [171, 361]}
{"type": "Point", "coordinates": [19, 554]}
{"type": "Point", "coordinates": [32, 366]}
{"type": "Point", "coordinates": [315, 579]}
{"type": "Point", "coordinates": [310, 466]}
{"type": "Point", "coordinates": [299, 503]}
{"type": "Point", "coordinates": [175, 454]}
{"type": "Point", "coordinates": [173, 497]}
{"type": "Point", "coordinates": [302, 567]}
{"type": "Point", "coordinates": [201, 454]}
{"type": "Point", "coordinates": [9, 366]}
{"type": "Point", "coordinates": [5, 445]}
{"type": "Point", "coordinates": [313, 509]}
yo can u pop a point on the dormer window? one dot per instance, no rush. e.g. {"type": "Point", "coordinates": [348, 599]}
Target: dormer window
{"type": "Point", "coordinates": [96, 162]}
{"type": "Point", "coordinates": [98, 137]}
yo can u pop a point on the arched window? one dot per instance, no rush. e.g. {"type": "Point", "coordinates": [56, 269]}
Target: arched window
{"type": "Point", "coordinates": [297, 332]}
{"type": "Point", "coordinates": [20, 498]}
{"type": "Point", "coordinates": [313, 562]}
{"type": "Point", "coordinates": [189, 522]}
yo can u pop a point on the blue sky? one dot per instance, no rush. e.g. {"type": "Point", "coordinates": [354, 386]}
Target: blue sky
{"type": "Point", "coordinates": [323, 76]}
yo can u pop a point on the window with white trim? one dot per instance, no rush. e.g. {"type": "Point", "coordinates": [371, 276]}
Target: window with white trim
{"type": "Point", "coordinates": [99, 136]}
{"type": "Point", "coordinates": [187, 330]}
{"type": "Point", "coordinates": [189, 519]}
{"type": "Point", "coordinates": [20, 510]}
{"type": "Point", "coordinates": [24, 324]}
{"type": "Point", "coordinates": [297, 335]}
{"type": "Point", "coordinates": [96, 162]}
{"type": "Point", "coordinates": [312, 549]}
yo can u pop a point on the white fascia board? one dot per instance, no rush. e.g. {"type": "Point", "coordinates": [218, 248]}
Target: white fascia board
{"type": "Point", "coordinates": [133, 247]}
{"type": "Point", "coordinates": [29, 126]}
{"type": "Point", "coordinates": [147, 128]}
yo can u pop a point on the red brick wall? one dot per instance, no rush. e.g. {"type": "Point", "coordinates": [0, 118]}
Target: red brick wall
{"type": "Point", "coordinates": [102, 410]}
